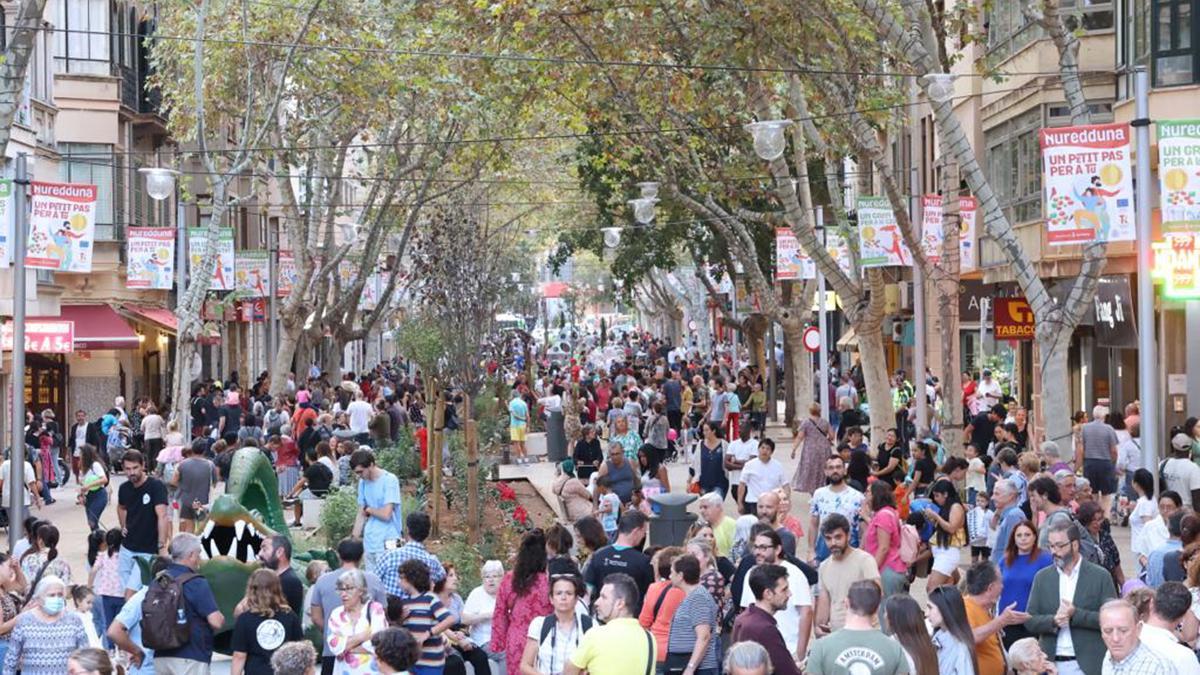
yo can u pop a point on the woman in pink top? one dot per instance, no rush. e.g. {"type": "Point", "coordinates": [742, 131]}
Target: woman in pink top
{"type": "Point", "coordinates": [523, 596]}
{"type": "Point", "coordinates": [662, 599]}
{"type": "Point", "coordinates": [883, 537]}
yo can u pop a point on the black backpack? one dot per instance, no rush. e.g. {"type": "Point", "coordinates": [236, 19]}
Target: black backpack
{"type": "Point", "coordinates": [548, 624]}
{"type": "Point", "coordinates": [165, 621]}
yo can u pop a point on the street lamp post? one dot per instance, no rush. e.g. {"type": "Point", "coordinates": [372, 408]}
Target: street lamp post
{"type": "Point", "coordinates": [16, 477]}
{"type": "Point", "coordinates": [161, 185]}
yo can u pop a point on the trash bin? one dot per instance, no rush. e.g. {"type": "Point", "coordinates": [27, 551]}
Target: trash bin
{"type": "Point", "coordinates": [671, 520]}
{"type": "Point", "coordinates": [556, 437]}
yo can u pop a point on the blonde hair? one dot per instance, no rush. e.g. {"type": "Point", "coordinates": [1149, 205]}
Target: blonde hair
{"type": "Point", "coordinates": [1029, 462]}
{"type": "Point", "coordinates": [314, 570]}
{"type": "Point", "coordinates": [264, 594]}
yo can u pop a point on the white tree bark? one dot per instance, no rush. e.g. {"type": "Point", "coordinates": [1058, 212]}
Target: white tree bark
{"type": "Point", "coordinates": [17, 53]}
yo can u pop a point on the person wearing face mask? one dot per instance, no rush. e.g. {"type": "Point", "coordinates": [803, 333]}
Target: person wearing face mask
{"type": "Point", "coordinates": [45, 635]}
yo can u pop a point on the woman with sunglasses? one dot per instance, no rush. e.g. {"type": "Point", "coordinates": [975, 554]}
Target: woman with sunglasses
{"type": "Point", "coordinates": [551, 639]}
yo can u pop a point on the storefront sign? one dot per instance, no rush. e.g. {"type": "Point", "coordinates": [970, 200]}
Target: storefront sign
{"type": "Point", "coordinates": [1177, 264]}
{"type": "Point", "coordinates": [1179, 174]}
{"type": "Point", "coordinates": [1115, 324]}
{"type": "Point", "coordinates": [42, 337]}
{"type": "Point", "coordinates": [252, 273]}
{"type": "Point", "coordinates": [151, 255]}
{"type": "Point", "coordinates": [932, 230]}
{"type": "Point", "coordinates": [791, 262]}
{"type": "Point", "coordinates": [222, 272]}
{"type": "Point", "coordinates": [62, 227]}
{"type": "Point", "coordinates": [1012, 319]}
{"type": "Point", "coordinates": [1089, 185]}
{"type": "Point", "coordinates": [879, 240]}
{"type": "Point", "coordinates": [972, 292]}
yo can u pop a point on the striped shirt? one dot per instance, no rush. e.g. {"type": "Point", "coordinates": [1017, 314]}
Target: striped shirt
{"type": "Point", "coordinates": [421, 614]}
{"type": "Point", "coordinates": [697, 608]}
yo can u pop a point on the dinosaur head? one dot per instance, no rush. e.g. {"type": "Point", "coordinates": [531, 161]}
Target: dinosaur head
{"type": "Point", "coordinates": [247, 513]}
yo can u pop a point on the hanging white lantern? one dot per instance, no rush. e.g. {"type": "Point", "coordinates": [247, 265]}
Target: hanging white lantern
{"type": "Point", "coordinates": [769, 141]}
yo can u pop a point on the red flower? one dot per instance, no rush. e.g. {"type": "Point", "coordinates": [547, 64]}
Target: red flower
{"type": "Point", "coordinates": [507, 494]}
{"type": "Point", "coordinates": [520, 515]}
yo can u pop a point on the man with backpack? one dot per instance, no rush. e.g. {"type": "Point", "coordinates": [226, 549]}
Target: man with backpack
{"type": "Point", "coordinates": [180, 614]}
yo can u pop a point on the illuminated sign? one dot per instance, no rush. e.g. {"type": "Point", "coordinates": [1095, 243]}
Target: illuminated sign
{"type": "Point", "coordinates": [1177, 264]}
{"type": "Point", "coordinates": [44, 337]}
{"type": "Point", "coordinates": [1012, 319]}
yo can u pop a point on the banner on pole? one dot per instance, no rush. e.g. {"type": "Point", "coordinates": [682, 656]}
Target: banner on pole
{"type": "Point", "coordinates": [151, 255]}
{"type": "Point", "coordinates": [791, 262]}
{"type": "Point", "coordinates": [1089, 184]}
{"type": "Point", "coordinates": [222, 273]}
{"type": "Point", "coordinates": [287, 275]}
{"type": "Point", "coordinates": [7, 220]}
{"type": "Point", "coordinates": [932, 229]}
{"type": "Point", "coordinates": [347, 274]}
{"type": "Point", "coordinates": [62, 227]}
{"type": "Point", "coordinates": [1179, 174]}
{"type": "Point", "coordinates": [968, 210]}
{"type": "Point", "coordinates": [839, 249]}
{"type": "Point", "coordinates": [371, 292]}
{"type": "Point", "coordinates": [252, 273]}
{"type": "Point", "coordinates": [879, 240]}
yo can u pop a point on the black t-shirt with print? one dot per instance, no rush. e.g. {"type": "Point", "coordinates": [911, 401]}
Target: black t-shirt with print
{"type": "Point", "coordinates": [258, 637]}
{"type": "Point", "coordinates": [141, 521]}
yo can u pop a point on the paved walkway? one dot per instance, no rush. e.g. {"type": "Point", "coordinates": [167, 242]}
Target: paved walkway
{"type": "Point", "coordinates": [541, 474]}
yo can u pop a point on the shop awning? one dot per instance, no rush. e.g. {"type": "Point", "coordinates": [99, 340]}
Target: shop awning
{"type": "Point", "coordinates": [848, 342]}
{"type": "Point", "coordinates": [163, 318]}
{"type": "Point", "coordinates": [97, 327]}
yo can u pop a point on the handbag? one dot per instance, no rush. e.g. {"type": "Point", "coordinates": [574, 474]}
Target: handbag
{"type": "Point", "coordinates": [677, 662]}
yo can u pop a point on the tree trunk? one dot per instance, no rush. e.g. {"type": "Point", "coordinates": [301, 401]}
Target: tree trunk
{"type": "Point", "coordinates": [1053, 349]}
{"type": "Point", "coordinates": [15, 63]}
{"type": "Point", "coordinates": [435, 458]}
{"type": "Point", "coordinates": [800, 367]}
{"type": "Point", "coordinates": [789, 384]}
{"type": "Point", "coordinates": [755, 328]}
{"type": "Point", "coordinates": [873, 358]}
{"type": "Point", "coordinates": [949, 273]}
{"type": "Point", "coordinates": [289, 340]}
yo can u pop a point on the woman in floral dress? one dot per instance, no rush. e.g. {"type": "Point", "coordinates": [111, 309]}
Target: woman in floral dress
{"type": "Point", "coordinates": [523, 596]}
{"type": "Point", "coordinates": [352, 625]}
{"type": "Point", "coordinates": [816, 437]}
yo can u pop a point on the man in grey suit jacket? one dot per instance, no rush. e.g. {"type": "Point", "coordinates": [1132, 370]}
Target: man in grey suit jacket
{"type": "Point", "coordinates": [1064, 605]}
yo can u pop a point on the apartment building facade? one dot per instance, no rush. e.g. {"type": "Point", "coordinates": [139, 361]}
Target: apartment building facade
{"type": "Point", "coordinates": [1003, 117]}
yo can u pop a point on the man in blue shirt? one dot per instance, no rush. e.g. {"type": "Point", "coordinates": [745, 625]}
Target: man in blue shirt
{"type": "Point", "coordinates": [126, 628]}
{"type": "Point", "coordinates": [202, 612]}
{"type": "Point", "coordinates": [419, 525]}
{"type": "Point", "coordinates": [1008, 515]}
{"type": "Point", "coordinates": [379, 519]}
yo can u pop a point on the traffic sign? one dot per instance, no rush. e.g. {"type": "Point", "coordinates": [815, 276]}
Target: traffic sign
{"type": "Point", "coordinates": [812, 339]}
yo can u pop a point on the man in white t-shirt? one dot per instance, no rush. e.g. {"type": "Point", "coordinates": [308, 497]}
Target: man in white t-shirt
{"type": "Point", "coordinates": [359, 412]}
{"type": "Point", "coordinates": [795, 621]}
{"type": "Point", "coordinates": [31, 485]}
{"type": "Point", "coordinates": [1172, 604]}
{"type": "Point", "coordinates": [759, 475]}
{"type": "Point", "coordinates": [988, 390]}
{"type": "Point", "coordinates": [737, 453]}
{"type": "Point", "coordinates": [1180, 473]}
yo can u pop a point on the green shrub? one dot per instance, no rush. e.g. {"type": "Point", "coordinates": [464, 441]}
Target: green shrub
{"type": "Point", "coordinates": [465, 558]}
{"type": "Point", "coordinates": [338, 514]}
{"type": "Point", "coordinates": [402, 458]}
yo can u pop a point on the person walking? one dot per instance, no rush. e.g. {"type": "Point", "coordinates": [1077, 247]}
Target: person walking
{"type": "Point", "coordinates": [708, 462]}
{"type": "Point", "coordinates": [882, 539]}
{"type": "Point", "coordinates": [761, 474]}
{"type": "Point", "coordinates": [796, 619]}
{"type": "Point", "coordinates": [1072, 638]}
{"type": "Point", "coordinates": [694, 638]}
{"type": "Point", "coordinates": [93, 490]}
{"type": "Point", "coordinates": [353, 624]}
{"type": "Point", "coordinates": [814, 441]}
{"type": "Point", "coordinates": [1127, 655]}
{"type": "Point", "coordinates": [44, 636]}
{"type": "Point", "coordinates": [859, 646]}
{"type": "Point", "coordinates": [326, 598]}
{"type": "Point", "coordinates": [380, 519]}
{"type": "Point", "coordinates": [200, 606]}
{"type": "Point", "coordinates": [662, 599]}
{"type": "Point", "coordinates": [265, 625]}
{"type": "Point", "coordinates": [193, 481]}
{"type": "Point", "coordinates": [553, 638]}
{"type": "Point", "coordinates": [845, 566]}
{"type": "Point", "coordinates": [952, 633]}
{"type": "Point", "coordinates": [523, 596]}
{"type": "Point", "coordinates": [769, 584]}
{"type": "Point", "coordinates": [144, 519]}
{"type": "Point", "coordinates": [835, 497]}
{"type": "Point", "coordinates": [615, 648]}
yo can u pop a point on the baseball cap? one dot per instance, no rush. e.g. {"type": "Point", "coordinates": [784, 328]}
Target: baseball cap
{"type": "Point", "coordinates": [1181, 442]}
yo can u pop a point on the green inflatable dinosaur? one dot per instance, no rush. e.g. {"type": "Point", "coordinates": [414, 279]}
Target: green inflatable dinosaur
{"type": "Point", "coordinates": [238, 522]}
